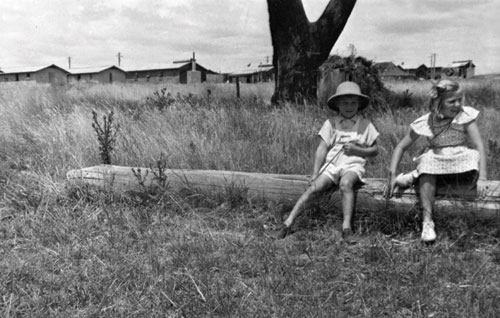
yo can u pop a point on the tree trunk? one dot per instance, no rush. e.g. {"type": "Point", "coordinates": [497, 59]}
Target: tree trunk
{"type": "Point", "coordinates": [300, 46]}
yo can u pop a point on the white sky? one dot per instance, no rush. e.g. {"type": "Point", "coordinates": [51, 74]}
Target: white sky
{"type": "Point", "coordinates": [228, 34]}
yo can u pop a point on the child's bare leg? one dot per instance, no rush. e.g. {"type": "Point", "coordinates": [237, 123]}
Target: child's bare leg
{"type": "Point", "coordinates": [320, 184]}
{"type": "Point", "coordinates": [346, 186]}
{"type": "Point", "coordinates": [427, 187]}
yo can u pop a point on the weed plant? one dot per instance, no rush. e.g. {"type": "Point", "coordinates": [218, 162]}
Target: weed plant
{"type": "Point", "coordinates": [106, 135]}
{"type": "Point", "coordinates": [78, 251]}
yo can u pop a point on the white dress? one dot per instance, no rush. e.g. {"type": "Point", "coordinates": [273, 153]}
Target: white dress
{"type": "Point", "coordinates": [337, 163]}
{"type": "Point", "coordinates": [447, 152]}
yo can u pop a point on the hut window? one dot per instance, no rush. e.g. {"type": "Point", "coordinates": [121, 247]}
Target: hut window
{"type": "Point", "coordinates": [28, 75]}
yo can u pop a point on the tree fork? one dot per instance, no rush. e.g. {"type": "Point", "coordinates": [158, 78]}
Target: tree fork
{"type": "Point", "coordinates": [300, 46]}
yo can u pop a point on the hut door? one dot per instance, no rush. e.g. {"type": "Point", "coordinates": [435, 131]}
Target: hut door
{"type": "Point", "coordinates": [51, 77]}
{"type": "Point", "coordinates": [111, 77]}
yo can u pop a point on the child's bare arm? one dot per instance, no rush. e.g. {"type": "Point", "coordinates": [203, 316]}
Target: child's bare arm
{"type": "Point", "coordinates": [401, 147]}
{"type": "Point", "coordinates": [319, 157]}
{"type": "Point", "coordinates": [352, 149]}
{"type": "Point", "coordinates": [476, 139]}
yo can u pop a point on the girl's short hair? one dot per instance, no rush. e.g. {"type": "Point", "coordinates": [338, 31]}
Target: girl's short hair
{"type": "Point", "coordinates": [437, 92]}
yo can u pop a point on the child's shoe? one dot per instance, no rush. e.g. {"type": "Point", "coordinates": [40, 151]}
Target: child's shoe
{"type": "Point", "coordinates": [348, 236]}
{"type": "Point", "coordinates": [283, 231]}
{"type": "Point", "coordinates": [428, 233]}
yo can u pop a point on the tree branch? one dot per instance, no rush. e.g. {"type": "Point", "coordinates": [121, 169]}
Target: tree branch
{"type": "Point", "coordinates": [331, 23]}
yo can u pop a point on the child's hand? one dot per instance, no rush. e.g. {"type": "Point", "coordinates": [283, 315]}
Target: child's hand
{"type": "Point", "coordinates": [312, 178]}
{"type": "Point", "coordinates": [351, 149]}
{"type": "Point", "coordinates": [390, 188]}
{"type": "Point", "coordinates": [482, 188]}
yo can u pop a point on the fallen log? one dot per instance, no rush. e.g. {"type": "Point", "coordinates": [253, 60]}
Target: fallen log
{"type": "Point", "coordinates": [285, 188]}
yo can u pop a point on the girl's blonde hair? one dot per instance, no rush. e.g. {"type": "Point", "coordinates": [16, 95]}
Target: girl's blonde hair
{"type": "Point", "coordinates": [438, 91]}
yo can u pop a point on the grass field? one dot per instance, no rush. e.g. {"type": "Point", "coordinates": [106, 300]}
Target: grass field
{"type": "Point", "coordinates": [69, 251]}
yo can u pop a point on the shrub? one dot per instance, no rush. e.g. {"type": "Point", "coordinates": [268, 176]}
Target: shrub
{"type": "Point", "coordinates": [106, 135]}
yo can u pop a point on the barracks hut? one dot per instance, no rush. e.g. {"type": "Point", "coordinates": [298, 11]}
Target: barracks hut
{"type": "Point", "coordinates": [52, 74]}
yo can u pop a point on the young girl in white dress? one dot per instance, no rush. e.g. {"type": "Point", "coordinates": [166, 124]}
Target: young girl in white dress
{"type": "Point", "coordinates": [448, 128]}
{"type": "Point", "coordinates": [345, 141]}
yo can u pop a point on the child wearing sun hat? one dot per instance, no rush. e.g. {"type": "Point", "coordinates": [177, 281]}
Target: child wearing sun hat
{"type": "Point", "coordinates": [345, 141]}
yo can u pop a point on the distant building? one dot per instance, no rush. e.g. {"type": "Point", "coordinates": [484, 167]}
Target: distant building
{"type": "Point", "coordinates": [421, 71]}
{"type": "Point", "coordinates": [102, 74]}
{"type": "Point", "coordinates": [462, 69]}
{"type": "Point", "coordinates": [52, 74]}
{"type": "Point", "coordinates": [260, 73]}
{"type": "Point", "coordinates": [390, 71]}
{"type": "Point", "coordinates": [185, 72]}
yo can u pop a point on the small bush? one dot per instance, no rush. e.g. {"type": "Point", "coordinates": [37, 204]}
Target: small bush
{"type": "Point", "coordinates": [106, 135]}
{"type": "Point", "coordinates": [160, 100]}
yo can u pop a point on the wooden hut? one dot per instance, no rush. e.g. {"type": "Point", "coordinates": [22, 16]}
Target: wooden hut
{"type": "Point", "coordinates": [257, 74]}
{"type": "Point", "coordinates": [52, 74]}
{"type": "Point", "coordinates": [461, 69]}
{"type": "Point", "coordinates": [185, 72]}
{"type": "Point", "coordinates": [102, 74]}
{"type": "Point", "coordinates": [390, 71]}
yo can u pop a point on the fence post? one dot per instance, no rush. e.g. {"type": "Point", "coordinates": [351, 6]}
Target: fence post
{"type": "Point", "coordinates": [237, 87]}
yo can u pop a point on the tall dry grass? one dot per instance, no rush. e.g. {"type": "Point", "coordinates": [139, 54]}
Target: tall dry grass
{"type": "Point", "coordinates": [49, 129]}
{"type": "Point", "coordinates": [79, 252]}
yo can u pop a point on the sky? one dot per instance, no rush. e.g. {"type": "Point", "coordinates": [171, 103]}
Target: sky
{"type": "Point", "coordinates": [227, 35]}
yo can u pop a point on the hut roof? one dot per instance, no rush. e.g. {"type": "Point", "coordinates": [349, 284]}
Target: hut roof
{"type": "Point", "coordinates": [390, 69]}
{"type": "Point", "coordinates": [465, 63]}
{"type": "Point", "coordinates": [252, 70]}
{"type": "Point", "coordinates": [93, 69]}
{"type": "Point", "coordinates": [29, 69]}
{"type": "Point", "coordinates": [164, 67]}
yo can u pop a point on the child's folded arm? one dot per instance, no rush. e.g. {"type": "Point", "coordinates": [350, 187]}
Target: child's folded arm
{"type": "Point", "coordinates": [351, 149]}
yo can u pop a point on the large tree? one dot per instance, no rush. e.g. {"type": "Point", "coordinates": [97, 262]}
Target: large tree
{"type": "Point", "coordinates": [301, 46]}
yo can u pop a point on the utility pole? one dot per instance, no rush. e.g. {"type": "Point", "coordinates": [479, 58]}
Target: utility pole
{"type": "Point", "coordinates": [433, 65]}
{"type": "Point", "coordinates": [119, 55]}
{"type": "Point", "coordinates": [69, 62]}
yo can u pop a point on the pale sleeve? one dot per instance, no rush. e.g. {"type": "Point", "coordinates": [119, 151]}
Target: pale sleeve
{"type": "Point", "coordinates": [421, 126]}
{"type": "Point", "coordinates": [467, 115]}
{"type": "Point", "coordinates": [370, 135]}
{"type": "Point", "coordinates": [327, 133]}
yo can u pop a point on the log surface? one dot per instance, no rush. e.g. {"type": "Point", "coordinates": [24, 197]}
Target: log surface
{"type": "Point", "coordinates": [286, 188]}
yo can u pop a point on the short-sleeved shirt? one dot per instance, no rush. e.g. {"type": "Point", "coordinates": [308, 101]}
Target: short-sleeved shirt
{"type": "Point", "coordinates": [363, 133]}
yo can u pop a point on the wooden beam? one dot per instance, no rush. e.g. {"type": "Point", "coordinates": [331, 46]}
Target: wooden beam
{"type": "Point", "coordinates": [286, 188]}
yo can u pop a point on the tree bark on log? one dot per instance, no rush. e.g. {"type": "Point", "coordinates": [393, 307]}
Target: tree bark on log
{"type": "Point", "coordinates": [300, 46]}
{"type": "Point", "coordinates": [286, 189]}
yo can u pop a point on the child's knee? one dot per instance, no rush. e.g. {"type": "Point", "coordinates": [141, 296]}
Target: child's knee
{"type": "Point", "coordinates": [346, 185]}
